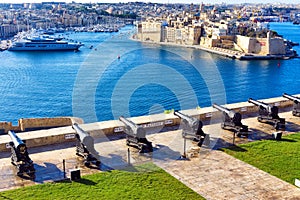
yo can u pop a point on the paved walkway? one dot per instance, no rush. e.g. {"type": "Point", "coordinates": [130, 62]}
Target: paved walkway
{"type": "Point", "coordinates": [216, 175]}
{"type": "Point", "coordinates": [213, 174]}
{"type": "Point", "coordinates": [219, 176]}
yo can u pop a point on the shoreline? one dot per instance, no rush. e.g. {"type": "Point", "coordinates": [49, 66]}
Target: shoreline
{"type": "Point", "coordinates": [223, 52]}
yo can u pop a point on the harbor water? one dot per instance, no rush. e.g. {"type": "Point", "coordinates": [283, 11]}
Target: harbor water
{"type": "Point", "coordinates": [112, 75]}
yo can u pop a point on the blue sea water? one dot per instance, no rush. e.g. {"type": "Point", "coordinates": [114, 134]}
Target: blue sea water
{"type": "Point", "coordinates": [119, 76]}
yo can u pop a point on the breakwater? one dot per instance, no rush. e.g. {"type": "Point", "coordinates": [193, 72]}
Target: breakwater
{"type": "Point", "coordinates": [97, 129]}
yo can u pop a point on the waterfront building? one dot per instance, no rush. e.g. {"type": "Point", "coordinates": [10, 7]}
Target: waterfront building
{"type": "Point", "coordinates": [214, 28]}
{"type": "Point", "coordinates": [151, 30]}
{"type": "Point", "coordinates": [8, 30]}
{"type": "Point", "coordinates": [176, 30]}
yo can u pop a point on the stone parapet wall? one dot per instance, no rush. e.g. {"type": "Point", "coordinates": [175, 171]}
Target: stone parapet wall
{"type": "Point", "coordinates": [36, 123]}
{"type": "Point", "coordinates": [27, 124]}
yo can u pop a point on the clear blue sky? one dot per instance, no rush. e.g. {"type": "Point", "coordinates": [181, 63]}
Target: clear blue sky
{"type": "Point", "coordinates": [157, 1]}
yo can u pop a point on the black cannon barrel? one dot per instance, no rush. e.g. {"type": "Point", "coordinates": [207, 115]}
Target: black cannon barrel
{"type": "Point", "coordinates": [82, 134]}
{"type": "Point", "coordinates": [181, 115]}
{"type": "Point", "coordinates": [133, 129]}
{"type": "Point", "coordinates": [258, 103]}
{"type": "Point", "coordinates": [189, 119]}
{"type": "Point", "coordinates": [86, 140]}
{"type": "Point", "coordinates": [128, 122]}
{"type": "Point", "coordinates": [221, 108]}
{"type": "Point", "coordinates": [18, 143]}
{"type": "Point", "coordinates": [290, 97]}
{"type": "Point", "coordinates": [262, 105]}
{"type": "Point", "coordinates": [229, 112]}
{"type": "Point", "coordinates": [19, 156]}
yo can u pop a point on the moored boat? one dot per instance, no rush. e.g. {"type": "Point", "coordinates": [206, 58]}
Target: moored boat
{"type": "Point", "coordinates": [43, 43]}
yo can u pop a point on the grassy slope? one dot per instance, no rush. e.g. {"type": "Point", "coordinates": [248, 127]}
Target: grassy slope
{"type": "Point", "coordinates": [150, 182]}
{"type": "Point", "coordinates": [279, 158]}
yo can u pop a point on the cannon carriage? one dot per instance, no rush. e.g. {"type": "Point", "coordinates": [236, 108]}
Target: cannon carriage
{"type": "Point", "coordinates": [136, 136]}
{"type": "Point", "coordinates": [191, 126]}
{"type": "Point", "coordinates": [20, 157]}
{"type": "Point", "coordinates": [268, 114]}
{"type": "Point", "coordinates": [296, 105]}
{"type": "Point", "coordinates": [232, 121]}
{"type": "Point", "coordinates": [85, 147]}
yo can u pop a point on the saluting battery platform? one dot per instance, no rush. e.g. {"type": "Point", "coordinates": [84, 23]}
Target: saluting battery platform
{"type": "Point", "coordinates": [268, 114]}
{"type": "Point", "coordinates": [20, 157]}
{"type": "Point", "coordinates": [136, 136]}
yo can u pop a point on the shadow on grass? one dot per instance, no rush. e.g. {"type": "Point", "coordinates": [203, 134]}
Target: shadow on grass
{"type": "Point", "coordinates": [81, 181]}
{"type": "Point", "coordinates": [235, 148]}
{"type": "Point", "coordinates": [85, 181]}
{"type": "Point", "coordinates": [286, 140]}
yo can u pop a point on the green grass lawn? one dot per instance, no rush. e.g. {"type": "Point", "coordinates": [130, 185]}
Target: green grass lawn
{"type": "Point", "coordinates": [146, 182]}
{"type": "Point", "coordinates": [279, 158]}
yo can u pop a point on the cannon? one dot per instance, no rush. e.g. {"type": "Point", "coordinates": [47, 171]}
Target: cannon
{"type": "Point", "coordinates": [19, 156]}
{"type": "Point", "coordinates": [296, 106]}
{"type": "Point", "coordinates": [232, 120]}
{"type": "Point", "coordinates": [191, 126]}
{"type": "Point", "coordinates": [136, 136]}
{"type": "Point", "coordinates": [268, 114]}
{"type": "Point", "coordinates": [85, 147]}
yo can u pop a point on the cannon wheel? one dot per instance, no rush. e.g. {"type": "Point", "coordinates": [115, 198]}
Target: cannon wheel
{"type": "Point", "coordinates": [98, 163]}
{"type": "Point", "coordinates": [19, 173]}
{"type": "Point", "coordinates": [86, 163]}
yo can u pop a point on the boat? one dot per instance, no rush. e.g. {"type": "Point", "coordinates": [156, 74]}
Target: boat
{"type": "Point", "coordinates": [43, 43]}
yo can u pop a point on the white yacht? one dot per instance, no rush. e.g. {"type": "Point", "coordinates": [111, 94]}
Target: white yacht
{"type": "Point", "coordinates": [43, 43]}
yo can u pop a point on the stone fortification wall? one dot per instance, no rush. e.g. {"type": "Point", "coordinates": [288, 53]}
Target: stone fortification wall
{"type": "Point", "coordinates": [29, 124]}
{"type": "Point", "coordinates": [97, 129]}
{"type": "Point", "coordinates": [227, 37]}
{"type": "Point", "coordinates": [37, 123]}
{"type": "Point", "coordinates": [261, 46]}
{"type": "Point", "coordinates": [253, 45]}
{"type": "Point", "coordinates": [277, 46]}
{"type": "Point", "coordinates": [209, 42]}
{"type": "Point", "coordinates": [6, 126]}
{"type": "Point", "coordinates": [150, 36]}
{"type": "Point", "coordinates": [243, 42]}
